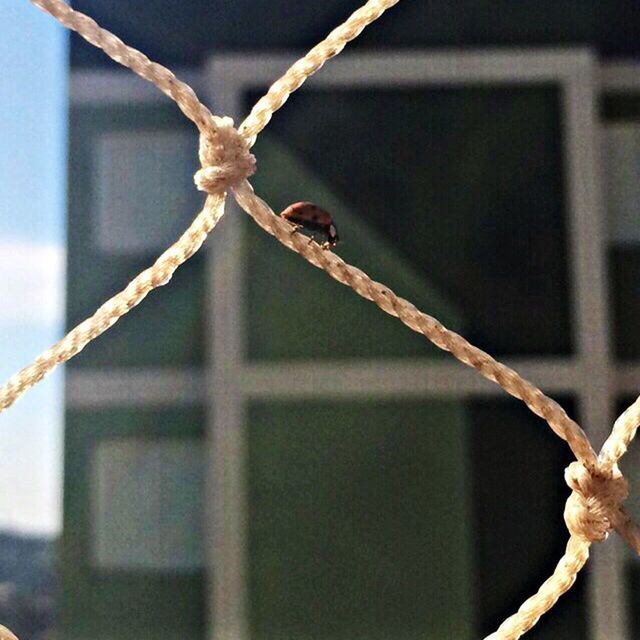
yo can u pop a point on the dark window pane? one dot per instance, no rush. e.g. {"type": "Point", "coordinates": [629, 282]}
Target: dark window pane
{"type": "Point", "coordinates": [616, 107]}
{"type": "Point", "coordinates": [518, 500]}
{"type": "Point", "coordinates": [462, 190]}
{"type": "Point", "coordinates": [621, 113]}
{"type": "Point", "coordinates": [633, 593]}
{"type": "Point", "coordinates": [625, 284]}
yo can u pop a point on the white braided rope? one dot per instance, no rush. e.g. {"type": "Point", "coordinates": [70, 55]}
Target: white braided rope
{"type": "Point", "coordinates": [595, 506]}
{"type": "Point", "coordinates": [113, 309]}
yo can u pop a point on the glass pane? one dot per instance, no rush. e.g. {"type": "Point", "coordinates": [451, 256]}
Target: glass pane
{"type": "Point", "coordinates": [621, 114]}
{"type": "Point", "coordinates": [145, 195]}
{"type": "Point", "coordinates": [519, 494]}
{"type": "Point", "coordinates": [359, 522]}
{"type": "Point", "coordinates": [148, 504]}
{"type": "Point", "coordinates": [151, 601]}
{"type": "Point", "coordinates": [453, 196]}
{"type": "Point", "coordinates": [107, 251]}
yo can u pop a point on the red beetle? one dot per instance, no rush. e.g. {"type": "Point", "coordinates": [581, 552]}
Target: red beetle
{"type": "Point", "coordinates": [308, 216]}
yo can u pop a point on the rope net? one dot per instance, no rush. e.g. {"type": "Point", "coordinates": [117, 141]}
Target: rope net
{"type": "Point", "coordinates": [595, 506]}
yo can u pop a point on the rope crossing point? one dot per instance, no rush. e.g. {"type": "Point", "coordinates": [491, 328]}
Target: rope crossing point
{"type": "Point", "coordinates": [596, 504]}
{"type": "Point", "coordinates": [225, 158]}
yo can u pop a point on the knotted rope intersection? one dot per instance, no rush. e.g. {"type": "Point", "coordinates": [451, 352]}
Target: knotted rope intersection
{"type": "Point", "coordinates": [595, 506]}
{"type": "Point", "coordinates": [225, 159]}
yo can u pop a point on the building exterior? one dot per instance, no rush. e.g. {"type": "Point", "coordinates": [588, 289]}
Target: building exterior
{"type": "Point", "coordinates": [254, 452]}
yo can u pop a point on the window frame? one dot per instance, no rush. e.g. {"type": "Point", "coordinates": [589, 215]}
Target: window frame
{"type": "Point", "coordinates": [232, 379]}
{"type": "Point", "coordinates": [229, 382]}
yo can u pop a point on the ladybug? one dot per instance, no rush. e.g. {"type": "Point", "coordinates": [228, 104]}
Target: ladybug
{"type": "Point", "coordinates": [308, 216]}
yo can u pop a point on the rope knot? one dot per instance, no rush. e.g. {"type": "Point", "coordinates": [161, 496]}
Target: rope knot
{"type": "Point", "coordinates": [225, 158]}
{"type": "Point", "coordinates": [592, 509]}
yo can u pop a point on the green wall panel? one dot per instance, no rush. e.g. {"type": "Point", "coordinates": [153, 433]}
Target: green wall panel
{"type": "Point", "coordinates": [101, 604]}
{"type": "Point", "coordinates": [150, 335]}
{"type": "Point", "coordinates": [359, 521]}
{"type": "Point", "coordinates": [295, 311]}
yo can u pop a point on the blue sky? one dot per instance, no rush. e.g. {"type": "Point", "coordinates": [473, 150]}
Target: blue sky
{"type": "Point", "coordinates": [33, 51]}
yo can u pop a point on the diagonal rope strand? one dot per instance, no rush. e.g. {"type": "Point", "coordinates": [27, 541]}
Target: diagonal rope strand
{"type": "Point", "coordinates": [577, 551]}
{"type": "Point", "coordinates": [562, 579]}
{"type": "Point", "coordinates": [180, 92]}
{"type": "Point", "coordinates": [623, 432]}
{"type": "Point", "coordinates": [111, 311]}
{"type": "Point", "coordinates": [295, 76]}
{"type": "Point", "coordinates": [431, 328]}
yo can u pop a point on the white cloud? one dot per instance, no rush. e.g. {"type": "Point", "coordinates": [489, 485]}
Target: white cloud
{"type": "Point", "coordinates": [31, 282]}
{"type": "Point", "coordinates": [31, 437]}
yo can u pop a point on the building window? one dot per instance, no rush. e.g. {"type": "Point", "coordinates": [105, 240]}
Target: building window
{"type": "Point", "coordinates": [147, 504]}
{"type": "Point", "coordinates": [622, 173]}
{"type": "Point", "coordinates": [145, 196]}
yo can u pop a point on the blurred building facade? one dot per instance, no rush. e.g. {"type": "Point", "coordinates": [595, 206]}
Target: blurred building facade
{"type": "Point", "coordinates": [254, 451]}
{"type": "Point", "coordinates": [29, 586]}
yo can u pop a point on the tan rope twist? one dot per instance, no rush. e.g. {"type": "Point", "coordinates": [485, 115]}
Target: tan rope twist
{"type": "Point", "coordinates": [180, 92]}
{"type": "Point", "coordinates": [296, 75]}
{"type": "Point", "coordinates": [5, 634]}
{"type": "Point", "coordinates": [595, 506]}
{"type": "Point", "coordinates": [111, 311]}
{"type": "Point", "coordinates": [225, 159]}
{"type": "Point", "coordinates": [420, 322]}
